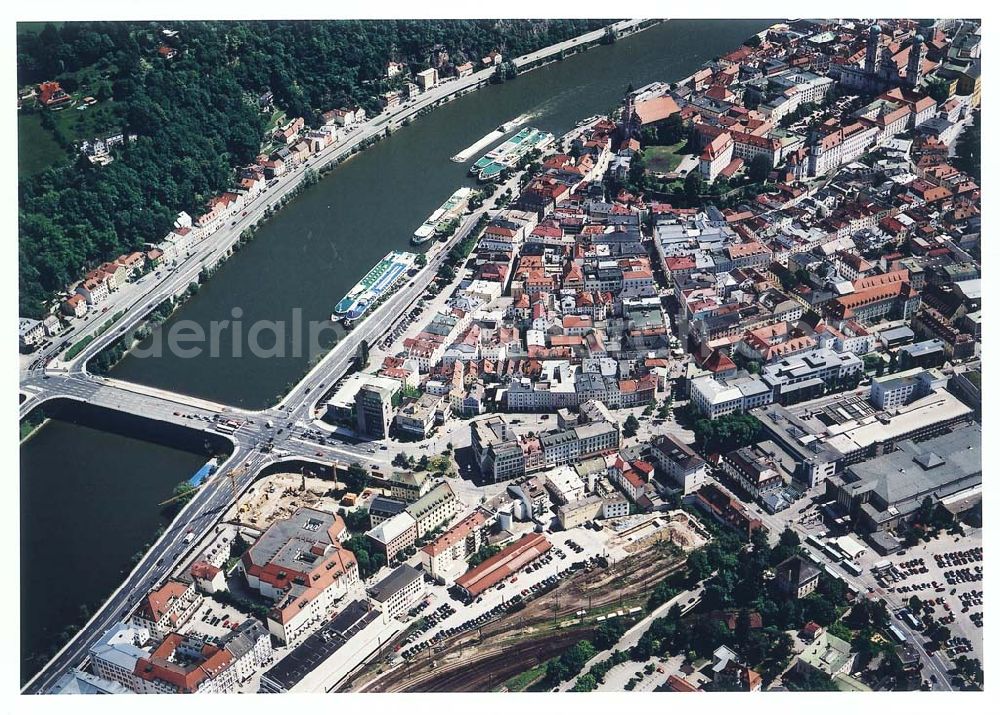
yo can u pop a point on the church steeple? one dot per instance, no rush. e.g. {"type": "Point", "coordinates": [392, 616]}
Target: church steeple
{"type": "Point", "coordinates": [915, 61]}
{"type": "Point", "coordinates": [871, 52]}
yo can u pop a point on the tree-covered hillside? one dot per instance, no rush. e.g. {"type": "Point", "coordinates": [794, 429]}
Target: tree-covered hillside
{"type": "Point", "coordinates": [195, 115]}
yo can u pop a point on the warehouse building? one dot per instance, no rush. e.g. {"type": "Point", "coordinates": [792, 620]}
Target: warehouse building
{"type": "Point", "coordinates": [504, 564]}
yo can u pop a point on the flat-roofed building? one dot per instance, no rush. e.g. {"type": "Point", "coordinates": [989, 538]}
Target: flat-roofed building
{"type": "Point", "coordinates": [827, 435]}
{"type": "Point", "coordinates": [341, 404]}
{"type": "Point", "coordinates": [564, 484]}
{"type": "Point", "coordinates": [901, 388]}
{"type": "Point", "coordinates": [427, 78]}
{"type": "Point", "coordinates": [323, 659]}
{"type": "Point", "coordinates": [374, 410]}
{"type": "Point", "coordinates": [299, 563]}
{"type": "Point", "coordinates": [532, 498]}
{"type": "Point", "coordinates": [579, 511]}
{"type": "Point", "coordinates": [418, 417]}
{"type": "Point", "coordinates": [880, 493]}
{"type": "Point", "coordinates": [78, 682]}
{"type": "Point", "coordinates": [828, 655]}
{"type": "Point", "coordinates": [613, 506]}
{"type": "Point", "coordinates": [114, 656]}
{"type": "Point", "coordinates": [927, 353]}
{"type": "Point", "coordinates": [398, 591]}
{"type": "Point", "coordinates": [719, 397]}
{"type": "Point", "coordinates": [807, 375]}
{"type": "Point", "coordinates": [496, 449]}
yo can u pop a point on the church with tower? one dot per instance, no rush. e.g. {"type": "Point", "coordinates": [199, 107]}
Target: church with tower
{"type": "Point", "coordinates": [880, 71]}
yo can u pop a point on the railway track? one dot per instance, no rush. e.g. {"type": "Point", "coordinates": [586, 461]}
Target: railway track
{"type": "Point", "coordinates": [465, 665]}
{"type": "Point", "coordinates": [488, 670]}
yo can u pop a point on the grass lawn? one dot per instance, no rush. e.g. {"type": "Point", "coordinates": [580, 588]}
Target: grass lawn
{"type": "Point", "coordinates": [662, 159]}
{"type": "Point", "coordinates": [277, 119]}
{"type": "Point", "coordinates": [522, 681]}
{"type": "Point", "coordinates": [37, 149]}
{"type": "Point", "coordinates": [95, 121]}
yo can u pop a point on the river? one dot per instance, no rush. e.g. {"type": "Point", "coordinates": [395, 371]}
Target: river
{"type": "Point", "coordinates": [313, 251]}
{"type": "Point", "coordinates": [89, 499]}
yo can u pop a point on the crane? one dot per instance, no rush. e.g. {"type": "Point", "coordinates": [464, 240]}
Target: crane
{"type": "Point", "coordinates": [182, 495]}
{"type": "Point", "coordinates": [232, 475]}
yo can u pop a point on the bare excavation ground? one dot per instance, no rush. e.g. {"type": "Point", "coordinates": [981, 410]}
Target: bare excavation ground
{"type": "Point", "coordinates": [520, 640]}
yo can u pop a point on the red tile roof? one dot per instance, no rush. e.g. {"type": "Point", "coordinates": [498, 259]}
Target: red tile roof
{"type": "Point", "coordinates": [656, 109]}
{"type": "Point", "coordinates": [497, 568]}
{"type": "Point", "coordinates": [186, 678]}
{"type": "Point", "coordinates": [457, 533]}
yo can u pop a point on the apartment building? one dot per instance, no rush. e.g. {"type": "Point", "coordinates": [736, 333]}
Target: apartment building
{"type": "Point", "coordinates": [185, 665]}
{"type": "Point", "coordinates": [409, 486]}
{"type": "Point", "coordinates": [446, 554]}
{"type": "Point", "coordinates": [433, 509]}
{"type": "Point", "coordinates": [496, 449]}
{"type": "Point", "coordinates": [166, 608]}
{"type": "Point", "coordinates": [679, 462]}
{"type": "Point", "coordinates": [393, 536]}
{"type": "Point", "coordinates": [382, 509]}
{"type": "Point", "coordinates": [758, 469]}
{"type": "Point", "coordinates": [115, 655]}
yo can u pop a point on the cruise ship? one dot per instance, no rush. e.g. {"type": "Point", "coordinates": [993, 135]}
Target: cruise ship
{"type": "Point", "coordinates": [508, 154]}
{"type": "Point", "coordinates": [452, 208]}
{"type": "Point", "coordinates": [378, 282]}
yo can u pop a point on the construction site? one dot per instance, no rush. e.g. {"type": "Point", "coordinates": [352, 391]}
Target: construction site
{"type": "Point", "coordinates": [637, 532]}
{"type": "Point", "coordinates": [483, 659]}
{"type": "Point", "coordinates": [278, 496]}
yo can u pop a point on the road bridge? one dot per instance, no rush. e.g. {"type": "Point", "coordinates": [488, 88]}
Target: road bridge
{"type": "Point", "coordinates": [265, 438]}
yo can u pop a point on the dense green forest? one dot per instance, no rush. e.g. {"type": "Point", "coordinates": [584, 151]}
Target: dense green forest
{"type": "Point", "coordinates": [196, 115]}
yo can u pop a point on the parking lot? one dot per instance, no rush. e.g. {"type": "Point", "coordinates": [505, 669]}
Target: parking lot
{"type": "Point", "coordinates": [213, 619]}
{"type": "Point", "coordinates": [445, 616]}
{"type": "Point", "coordinates": [946, 574]}
{"type": "Point", "coordinates": [645, 676]}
